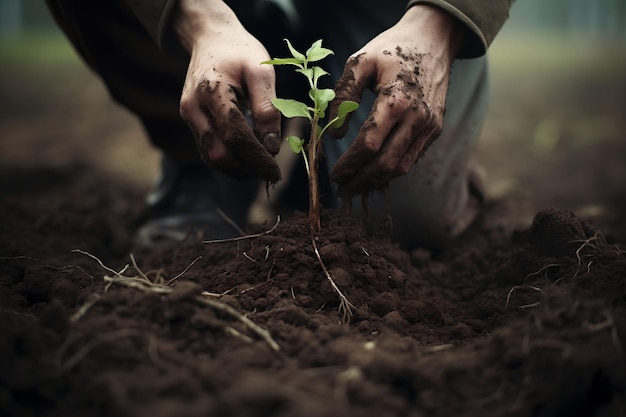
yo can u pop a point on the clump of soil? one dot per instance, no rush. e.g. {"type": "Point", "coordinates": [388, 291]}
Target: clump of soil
{"type": "Point", "coordinates": [529, 323]}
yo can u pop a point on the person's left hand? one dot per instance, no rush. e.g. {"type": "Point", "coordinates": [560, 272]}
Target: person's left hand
{"type": "Point", "coordinates": [407, 67]}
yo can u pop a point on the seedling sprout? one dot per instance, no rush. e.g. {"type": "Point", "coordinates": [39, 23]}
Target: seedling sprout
{"type": "Point", "coordinates": [314, 112]}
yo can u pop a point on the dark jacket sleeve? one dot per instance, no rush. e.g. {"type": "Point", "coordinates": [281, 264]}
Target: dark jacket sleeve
{"type": "Point", "coordinates": [155, 16]}
{"type": "Point", "coordinates": [483, 18]}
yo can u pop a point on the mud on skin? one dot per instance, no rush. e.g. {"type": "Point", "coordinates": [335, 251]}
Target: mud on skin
{"type": "Point", "coordinates": [251, 158]}
{"type": "Point", "coordinates": [424, 131]}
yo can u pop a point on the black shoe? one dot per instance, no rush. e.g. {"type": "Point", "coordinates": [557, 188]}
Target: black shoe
{"type": "Point", "coordinates": [184, 207]}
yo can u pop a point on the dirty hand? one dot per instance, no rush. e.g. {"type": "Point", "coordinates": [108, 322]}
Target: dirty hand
{"type": "Point", "coordinates": [225, 76]}
{"type": "Point", "coordinates": [407, 67]}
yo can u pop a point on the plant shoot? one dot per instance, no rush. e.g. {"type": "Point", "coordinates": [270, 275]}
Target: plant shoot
{"type": "Point", "coordinates": [315, 112]}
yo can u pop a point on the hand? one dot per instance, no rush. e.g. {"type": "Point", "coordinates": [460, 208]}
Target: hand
{"type": "Point", "coordinates": [225, 75]}
{"type": "Point", "coordinates": [407, 66]}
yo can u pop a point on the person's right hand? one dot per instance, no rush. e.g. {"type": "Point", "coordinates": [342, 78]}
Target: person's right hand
{"type": "Point", "coordinates": [225, 76]}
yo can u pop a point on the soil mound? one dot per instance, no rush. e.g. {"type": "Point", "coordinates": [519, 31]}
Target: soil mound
{"type": "Point", "coordinates": [529, 323]}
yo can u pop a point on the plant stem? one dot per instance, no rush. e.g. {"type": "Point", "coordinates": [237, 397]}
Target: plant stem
{"type": "Point", "coordinates": [314, 197]}
{"type": "Point", "coordinates": [306, 163]}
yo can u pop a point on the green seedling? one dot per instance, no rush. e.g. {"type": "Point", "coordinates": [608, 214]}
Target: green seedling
{"type": "Point", "coordinates": [315, 112]}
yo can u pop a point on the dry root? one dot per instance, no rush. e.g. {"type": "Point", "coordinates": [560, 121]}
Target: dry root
{"type": "Point", "coordinates": [597, 245]}
{"type": "Point", "coordinates": [345, 306]}
{"type": "Point", "coordinates": [544, 269]}
{"type": "Point", "coordinates": [527, 287]}
{"type": "Point", "coordinates": [45, 264]}
{"type": "Point", "coordinates": [240, 238]}
{"type": "Point", "coordinates": [155, 282]}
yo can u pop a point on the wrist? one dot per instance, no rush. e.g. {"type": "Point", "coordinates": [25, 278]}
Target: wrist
{"type": "Point", "coordinates": [441, 25]}
{"type": "Point", "coordinates": [197, 19]}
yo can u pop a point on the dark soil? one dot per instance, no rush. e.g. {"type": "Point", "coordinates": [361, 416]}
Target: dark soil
{"type": "Point", "coordinates": [528, 323]}
{"type": "Point", "coordinates": [520, 317]}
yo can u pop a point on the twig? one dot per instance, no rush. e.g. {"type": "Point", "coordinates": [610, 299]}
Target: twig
{"type": "Point", "coordinates": [531, 305]}
{"type": "Point", "coordinates": [249, 257]}
{"type": "Point", "coordinates": [517, 287]}
{"type": "Point", "coordinates": [184, 270]}
{"type": "Point", "coordinates": [230, 221]}
{"type": "Point", "coordinates": [238, 334]}
{"type": "Point", "coordinates": [585, 243]}
{"type": "Point", "coordinates": [239, 238]}
{"type": "Point", "coordinates": [139, 271]}
{"type": "Point", "coordinates": [144, 284]}
{"type": "Point", "coordinates": [45, 264]}
{"type": "Point", "coordinates": [262, 333]}
{"type": "Point", "coordinates": [216, 295]}
{"type": "Point", "coordinates": [140, 285]}
{"type": "Point", "coordinates": [544, 268]}
{"type": "Point", "coordinates": [114, 272]}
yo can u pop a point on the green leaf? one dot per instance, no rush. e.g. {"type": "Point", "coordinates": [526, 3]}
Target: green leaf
{"type": "Point", "coordinates": [291, 108]}
{"type": "Point", "coordinates": [297, 55]}
{"type": "Point", "coordinates": [295, 143]}
{"type": "Point", "coordinates": [317, 73]}
{"type": "Point", "coordinates": [283, 61]}
{"type": "Point", "coordinates": [321, 98]}
{"type": "Point", "coordinates": [345, 108]}
{"type": "Point", "coordinates": [308, 72]}
{"type": "Point", "coordinates": [316, 52]}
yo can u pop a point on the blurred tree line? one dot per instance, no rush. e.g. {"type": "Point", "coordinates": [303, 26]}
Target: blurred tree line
{"type": "Point", "coordinates": [590, 17]}
{"type": "Point", "coordinates": [587, 17]}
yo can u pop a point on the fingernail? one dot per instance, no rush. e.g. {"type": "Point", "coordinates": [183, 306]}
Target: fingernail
{"type": "Point", "coordinates": [272, 143]}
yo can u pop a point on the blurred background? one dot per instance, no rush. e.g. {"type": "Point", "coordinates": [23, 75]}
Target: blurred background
{"type": "Point", "coordinates": [578, 17]}
{"type": "Point", "coordinates": [554, 135]}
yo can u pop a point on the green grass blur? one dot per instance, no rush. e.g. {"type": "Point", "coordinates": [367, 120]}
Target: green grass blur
{"type": "Point", "coordinates": [551, 52]}
{"type": "Point", "coordinates": [37, 48]}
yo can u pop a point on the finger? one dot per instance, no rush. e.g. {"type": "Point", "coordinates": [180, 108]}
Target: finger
{"type": "Point", "coordinates": [368, 142]}
{"type": "Point", "coordinates": [417, 149]}
{"type": "Point", "coordinates": [416, 126]}
{"type": "Point", "coordinates": [225, 140]}
{"type": "Point", "coordinates": [222, 159]}
{"type": "Point", "coordinates": [356, 77]}
{"type": "Point", "coordinates": [383, 167]}
{"type": "Point", "coordinates": [213, 151]}
{"type": "Point", "coordinates": [261, 84]}
{"type": "Point", "coordinates": [426, 126]}
{"type": "Point", "coordinates": [240, 139]}
{"type": "Point", "coordinates": [233, 129]}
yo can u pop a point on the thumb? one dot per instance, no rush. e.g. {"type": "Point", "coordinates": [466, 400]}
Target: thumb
{"type": "Point", "coordinates": [350, 86]}
{"type": "Point", "coordinates": [266, 118]}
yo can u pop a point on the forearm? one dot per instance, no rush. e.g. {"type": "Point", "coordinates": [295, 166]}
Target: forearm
{"type": "Point", "coordinates": [430, 22]}
{"type": "Point", "coordinates": [174, 24]}
{"type": "Point", "coordinates": [193, 20]}
{"type": "Point", "coordinates": [482, 19]}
